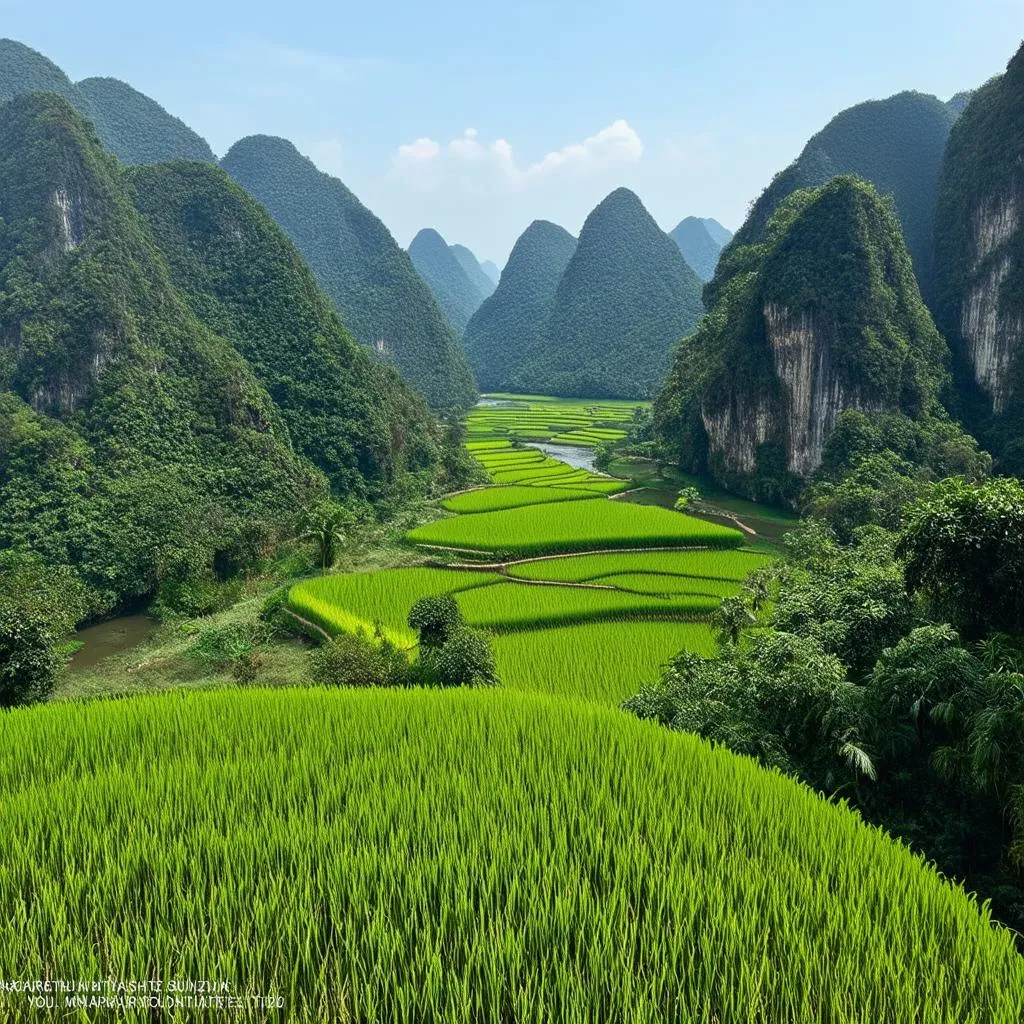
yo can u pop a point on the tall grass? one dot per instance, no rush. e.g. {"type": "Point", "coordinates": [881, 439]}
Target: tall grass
{"type": "Point", "coordinates": [437, 858]}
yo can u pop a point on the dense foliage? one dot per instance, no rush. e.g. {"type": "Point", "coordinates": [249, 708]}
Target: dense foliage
{"type": "Point", "coordinates": [443, 272]}
{"type": "Point", "coordinates": [478, 273]}
{"type": "Point", "coordinates": [350, 416]}
{"type": "Point", "coordinates": [626, 297]}
{"type": "Point", "coordinates": [514, 319]}
{"type": "Point", "coordinates": [834, 274]}
{"type": "Point", "coordinates": [699, 248]}
{"type": "Point", "coordinates": [369, 279]}
{"type": "Point", "coordinates": [979, 260]}
{"type": "Point", "coordinates": [892, 672]}
{"type": "Point", "coordinates": [896, 144]}
{"type": "Point", "coordinates": [136, 129]}
{"type": "Point", "coordinates": [139, 439]}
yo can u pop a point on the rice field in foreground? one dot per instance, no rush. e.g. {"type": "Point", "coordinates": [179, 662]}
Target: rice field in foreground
{"type": "Point", "coordinates": [578, 526]}
{"type": "Point", "coordinates": [441, 857]}
{"type": "Point", "coordinates": [491, 499]}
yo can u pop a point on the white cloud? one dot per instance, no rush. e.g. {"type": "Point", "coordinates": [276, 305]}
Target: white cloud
{"type": "Point", "coordinates": [479, 166]}
{"type": "Point", "coordinates": [329, 156]}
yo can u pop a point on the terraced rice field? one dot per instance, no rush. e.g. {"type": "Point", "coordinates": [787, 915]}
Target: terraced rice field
{"type": "Point", "coordinates": [422, 857]}
{"type": "Point", "coordinates": [564, 420]}
{"type": "Point", "coordinates": [493, 499]}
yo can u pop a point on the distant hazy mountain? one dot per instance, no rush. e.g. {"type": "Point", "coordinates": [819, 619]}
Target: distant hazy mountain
{"type": "Point", "coordinates": [896, 144]}
{"type": "Point", "coordinates": [722, 235]}
{"type": "Point", "coordinates": [625, 300]}
{"type": "Point", "coordinates": [492, 270]}
{"type": "Point", "coordinates": [697, 245]}
{"type": "Point", "coordinates": [136, 129]}
{"type": "Point", "coordinates": [474, 269]}
{"type": "Point", "coordinates": [958, 102]}
{"type": "Point", "coordinates": [515, 318]}
{"type": "Point", "coordinates": [456, 294]}
{"type": "Point", "coordinates": [367, 276]}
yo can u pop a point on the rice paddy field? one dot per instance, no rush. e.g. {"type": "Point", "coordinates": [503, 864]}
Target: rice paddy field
{"type": "Point", "coordinates": [424, 857]}
{"type": "Point", "coordinates": [526, 854]}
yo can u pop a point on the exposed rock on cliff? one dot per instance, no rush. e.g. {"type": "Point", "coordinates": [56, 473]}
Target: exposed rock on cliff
{"type": "Point", "coordinates": [979, 257]}
{"type": "Point", "coordinates": [822, 317]}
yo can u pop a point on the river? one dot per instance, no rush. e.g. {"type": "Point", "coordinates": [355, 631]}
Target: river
{"type": "Point", "coordinates": [111, 637]}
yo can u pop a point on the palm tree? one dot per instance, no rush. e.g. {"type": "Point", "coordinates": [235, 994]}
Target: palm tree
{"type": "Point", "coordinates": [326, 527]}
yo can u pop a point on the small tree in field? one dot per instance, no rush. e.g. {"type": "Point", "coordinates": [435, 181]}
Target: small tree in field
{"type": "Point", "coordinates": [688, 497]}
{"type": "Point", "coordinates": [466, 659]}
{"type": "Point", "coordinates": [435, 619]}
{"type": "Point", "coordinates": [730, 620]}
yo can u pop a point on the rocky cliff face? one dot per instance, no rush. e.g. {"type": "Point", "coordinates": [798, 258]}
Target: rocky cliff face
{"type": "Point", "coordinates": [979, 246]}
{"type": "Point", "coordinates": [801, 334]}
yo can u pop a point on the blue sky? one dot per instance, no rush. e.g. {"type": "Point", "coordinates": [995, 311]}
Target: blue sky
{"type": "Point", "coordinates": [476, 118]}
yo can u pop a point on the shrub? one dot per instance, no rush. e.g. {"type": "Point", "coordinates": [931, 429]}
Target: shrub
{"type": "Point", "coordinates": [221, 646]}
{"type": "Point", "coordinates": [466, 659]}
{"type": "Point", "coordinates": [28, 658]}
{"type": "Point", "coordinates": [436, 618]}
{"type": "Point", "coordinates": [350, 660]}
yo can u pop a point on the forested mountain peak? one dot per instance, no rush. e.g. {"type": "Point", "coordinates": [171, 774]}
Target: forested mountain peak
{"type": "Point", "coordinates": [156, 403]}
{"type": "Point", "coordinates": [136, 129]}
{"type": "Point", "coordinates": [515, 317]}
{"type": "Point", "coordinates": [895, 143]}
{"type": "Point", "coordinates": [821, 316]}
{"type": "Point", "coordinates": [457, 295]}
{"type": "Point", "coordinates": [626, 297]}
{"type": "Point", "coordinates": [370, 280]}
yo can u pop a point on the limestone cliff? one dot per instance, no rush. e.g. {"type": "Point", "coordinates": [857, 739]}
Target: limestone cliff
{"type": "Point", "coordinates": [822, 317]}
{"type": "Point", "coordinates": [979, 253]}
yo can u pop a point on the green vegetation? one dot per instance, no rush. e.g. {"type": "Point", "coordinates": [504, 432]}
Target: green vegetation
{"type": "Point", "coordinates": [158, 402]}
{"type": "Point", "coordinates": [351, 417]}
{"type": "Point", "coordinates": [625, 298]}
{"type": "Point", "coordinates": [344, 781]}
{"type": "Point", "coordinates": [895, 143]}
{"type": "Point", "coordinates": [884, 352]}
{"type": "Point", "coordinates": [581, 526]}
{"type": "Point", "coordinates": [514, 319]}
{"type": "Point", "coordinates": [979, 258]}
{"type": "Point", "coordinates": [699, 248]}
{"type": "Point", "coordinates": [368, 278]}
{"type": "Point", "coordinates": [441, 269]}
{"type": "Point", "coordinates": [136, 129]}
{"type": "Point", "coordinates": [730, 565]}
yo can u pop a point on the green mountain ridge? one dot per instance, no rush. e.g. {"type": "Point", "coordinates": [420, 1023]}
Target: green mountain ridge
{"type": "Point", "coordinates": [478, 276]}
{"type": "Point", "coordinates": [369, 279]}
{"type": "Point", "coordinates": [135, 128]}
{"type": "Point", "coordinates": [441, 270]}
{"type": "Point", "coordinates": [492, 270]}
{"type": "Point", "coordinates": [822, 316]}
{"type": "Point", "coordinates": [895, 143]}
{"type": "Point", "coordinates": [515, 318]}
{"type": "Point", "coordinates": [625, 299]}
{"type": "Point", "coordinates": [137, 444]}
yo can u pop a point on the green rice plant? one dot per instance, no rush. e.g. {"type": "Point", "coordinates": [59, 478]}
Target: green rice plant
{"type": "Point", "coordinates": [424, 857]}
{"type": "Point", "coordinates": [541, 471]}
{"type": "Point", "coordinates": [357, 602]}
{"type": "Point", "coordinates": [512, 606]}
{"type": "Point", "coordinates": [485, 446]}
{"type": "Point", "coordinates": [489, 499]}
{"type": "Point", "coordinates": [597, 661]}
{"type": "Point", "coordinates": [715, 564]}
{"type": "Point", "coordinates": [667, 583]}
{"type": "Point", "coordinates": [577, 526]}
